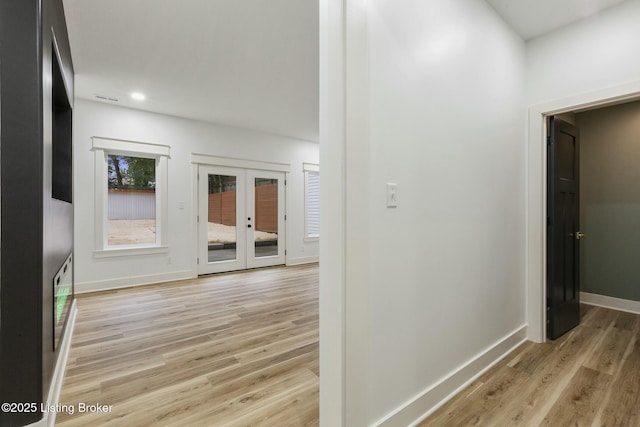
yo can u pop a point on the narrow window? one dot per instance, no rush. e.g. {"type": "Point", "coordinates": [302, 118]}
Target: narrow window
{"type": "Point", "coordinates": [312, 200]}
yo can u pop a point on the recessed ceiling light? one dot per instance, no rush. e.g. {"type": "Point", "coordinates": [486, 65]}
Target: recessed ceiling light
{"type": "Point", "coordinates": [138, 96]}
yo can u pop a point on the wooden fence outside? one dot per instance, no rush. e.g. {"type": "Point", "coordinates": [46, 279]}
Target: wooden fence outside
{"type": "Point", "coordinates": [266, 198]}
{"type": "Point", "coordinates": [139, 204]}
{"type": "Point", "coordinates": [222, 208]}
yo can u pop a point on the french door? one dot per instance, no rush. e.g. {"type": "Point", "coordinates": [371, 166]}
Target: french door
{"type": "Point", "coordinates": [241, 219]}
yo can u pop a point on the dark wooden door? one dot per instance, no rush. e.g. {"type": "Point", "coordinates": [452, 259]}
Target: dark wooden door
{"type": "Point", "coordinates": [563, 225]}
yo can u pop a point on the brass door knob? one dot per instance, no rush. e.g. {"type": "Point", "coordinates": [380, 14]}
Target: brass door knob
{"type": "Point", "coordinates": [579, 235]}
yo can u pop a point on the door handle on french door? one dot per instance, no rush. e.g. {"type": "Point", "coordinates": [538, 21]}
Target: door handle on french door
{"type": "Point", "coordinates": [579, 235]}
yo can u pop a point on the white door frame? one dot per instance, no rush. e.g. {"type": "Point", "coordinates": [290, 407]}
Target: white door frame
{"type": "Point", "coordinates": [536, 245]}
{"type": "Point", "coordinates": [344, 212]}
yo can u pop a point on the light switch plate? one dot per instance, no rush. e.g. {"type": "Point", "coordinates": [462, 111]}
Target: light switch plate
{"type": "Point", "coordinates": [392, 195]}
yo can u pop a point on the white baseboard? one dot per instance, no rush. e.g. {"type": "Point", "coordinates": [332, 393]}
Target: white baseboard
{"type": "Point", "coordinates": [610, 302]}
{"type": "Point", "coordinates": [302, 260]}
{"type": "Point", "coordinates": [49, 418]}
{"type": "Point", "coordinates": [424, 404]}
{"type": "Point", "coordinates": [126, 282]}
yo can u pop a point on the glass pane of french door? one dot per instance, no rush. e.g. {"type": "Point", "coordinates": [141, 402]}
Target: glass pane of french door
{"type": "Point", "coordinates": [222, 236]}
{"type": "Point", "coordinates": [265, 234]}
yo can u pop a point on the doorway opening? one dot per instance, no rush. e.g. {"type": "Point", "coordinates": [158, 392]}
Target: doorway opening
{"type": "Point", "coordinates": [536, 272]}
{"type": "Point", "coordinates": [241, 219]}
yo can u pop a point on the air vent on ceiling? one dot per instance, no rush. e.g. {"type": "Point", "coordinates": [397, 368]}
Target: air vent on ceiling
{"type": "Point", "coordinates": [106, 98]}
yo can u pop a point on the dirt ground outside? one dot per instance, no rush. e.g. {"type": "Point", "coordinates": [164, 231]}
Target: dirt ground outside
{"type": "Point", "coordinates": [139, 231]}
{"type": "Point", "coordinates": [219, 233]}
{"type": "Point", "coordinates": [131, 231]}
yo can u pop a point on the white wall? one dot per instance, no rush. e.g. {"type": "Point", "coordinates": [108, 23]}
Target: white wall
{"type": "Point", "coordinates": [184, 137]}
{"type": "Point", "coordinates": [596, 53]}
{"type": "Point", "coordinates": [447, 124]}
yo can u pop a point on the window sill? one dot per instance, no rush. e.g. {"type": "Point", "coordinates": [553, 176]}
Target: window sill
{"type": "Point", "coordinates": [118, 252]}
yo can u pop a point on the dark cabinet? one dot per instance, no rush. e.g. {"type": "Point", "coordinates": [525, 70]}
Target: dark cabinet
{"type": "Point", "coordinates": [36, 210]}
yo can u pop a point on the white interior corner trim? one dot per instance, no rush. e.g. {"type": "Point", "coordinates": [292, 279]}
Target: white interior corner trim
{"type": "Point", "coordinates": [53, 397]}
{"type": "Point", "coordinates": [205, 159]}
{"type": "Point", "coordinates": [120, 145]}
{"type": "Point", "coordinates": [610, 302]}
{"type": "Point", "coordinates": [127, 282]}
{"type": "Point", "coordinates": [418, 408]}
{"type": "Point", "coordinates": [310, 167]}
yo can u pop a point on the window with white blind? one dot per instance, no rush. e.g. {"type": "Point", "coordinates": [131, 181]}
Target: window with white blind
{"type": "Point", "coordinates": [311, 201]}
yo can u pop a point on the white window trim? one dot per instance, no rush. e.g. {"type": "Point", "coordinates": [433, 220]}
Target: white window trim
{"type": "Point", "coordinates": [306, 168]}
{"type": "Point", "coordinates": [104, 146]}
{"type": "Point", "coordinates": [206, 159]}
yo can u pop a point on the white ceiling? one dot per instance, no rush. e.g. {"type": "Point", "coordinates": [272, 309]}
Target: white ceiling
{"type": "Point", "coordinates": [248, 63]}
{"type": "Point", "coordinates": [533, 18]}
{"type": "Point", "coordinates": [245, 63]}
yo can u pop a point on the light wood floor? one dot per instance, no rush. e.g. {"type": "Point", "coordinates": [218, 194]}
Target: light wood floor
{"type": "Point", "coordinates": [588, 377]}
{"type": "Point", "coordinates": [224, 350]}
